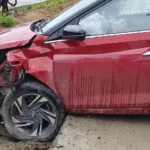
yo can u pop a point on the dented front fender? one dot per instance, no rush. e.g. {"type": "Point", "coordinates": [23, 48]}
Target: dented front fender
{"type": "Point", "coordinates": [35, 61]}
{"type": "Point", "coordinates": [41, 68]}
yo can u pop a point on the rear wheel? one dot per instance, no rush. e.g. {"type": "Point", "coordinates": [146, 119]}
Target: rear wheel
{"type": "Point", "coordinates": [33, 112]}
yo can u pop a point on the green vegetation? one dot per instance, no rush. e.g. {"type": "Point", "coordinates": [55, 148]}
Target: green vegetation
{"type": "Point", "coordinates": [6, 21]}
{"type": "Point", "coordinates": [46, 4]}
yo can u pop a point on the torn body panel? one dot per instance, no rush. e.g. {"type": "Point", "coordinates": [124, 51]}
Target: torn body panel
{"type": "Point", "coordinates": [13, 53]}
{"type": "Point", "coordinates": [36, 61]}
{"type": "Point", "coordinates": [9, 74]}
{"type": "Point", "coordinates": [9, 70]}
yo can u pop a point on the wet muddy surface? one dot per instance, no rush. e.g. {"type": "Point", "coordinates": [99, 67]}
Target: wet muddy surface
{"type": "Point", "coordinates": [93, 132]}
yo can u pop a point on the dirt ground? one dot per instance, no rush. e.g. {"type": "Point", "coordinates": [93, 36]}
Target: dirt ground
{"type": "Point", "coordinates": [42, 13]}
{"type": "Point", "coordinates": [104, 133]}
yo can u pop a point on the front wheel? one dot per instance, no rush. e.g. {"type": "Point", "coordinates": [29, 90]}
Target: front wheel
{"type": "Point", "coordinates": [33, 112]}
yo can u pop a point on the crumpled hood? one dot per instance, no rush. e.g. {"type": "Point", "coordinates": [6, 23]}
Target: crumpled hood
{"type": "Point", "coordinates": [16, 37]}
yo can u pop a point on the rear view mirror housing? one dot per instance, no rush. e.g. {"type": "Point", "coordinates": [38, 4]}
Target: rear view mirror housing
{"type": "Point", "coordinates": [74, 32]}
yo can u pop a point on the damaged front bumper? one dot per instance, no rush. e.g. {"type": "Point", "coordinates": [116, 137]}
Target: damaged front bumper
{"type": "Point", "coordinates": [11, 74]}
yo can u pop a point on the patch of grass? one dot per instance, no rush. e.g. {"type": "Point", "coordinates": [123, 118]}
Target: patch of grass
{"type": "Point", "coordinates": [7, 21]}
{"type": "Point", "coordinates": [46, 4]}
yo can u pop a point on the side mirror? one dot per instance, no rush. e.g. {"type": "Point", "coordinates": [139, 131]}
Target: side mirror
{"type": "Point", "coordinates": [74, 32]}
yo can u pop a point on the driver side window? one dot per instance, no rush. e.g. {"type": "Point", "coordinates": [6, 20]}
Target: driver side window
{"type": "Point", "coordinates": [118, 16]}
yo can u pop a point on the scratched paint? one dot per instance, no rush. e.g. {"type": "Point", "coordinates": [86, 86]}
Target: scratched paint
{"type": "Point", "coordinates": [98, 89]}
{"type": "Point", "coordinates": [110, 78]}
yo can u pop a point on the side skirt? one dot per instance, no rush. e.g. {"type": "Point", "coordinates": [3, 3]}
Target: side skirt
{"type": "Point", "coordinates": [119, 111]}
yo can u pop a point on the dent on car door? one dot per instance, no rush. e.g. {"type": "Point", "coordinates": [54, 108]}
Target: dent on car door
{"type": "Point", "coordinates": [107, 71]}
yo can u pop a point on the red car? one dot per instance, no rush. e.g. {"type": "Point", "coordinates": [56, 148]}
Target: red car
{"type": "Point", "coordinates": [93, 58]}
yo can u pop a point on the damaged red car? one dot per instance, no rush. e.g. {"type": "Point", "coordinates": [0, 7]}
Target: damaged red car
{"type": "Point", "coordinates": [93, 58]}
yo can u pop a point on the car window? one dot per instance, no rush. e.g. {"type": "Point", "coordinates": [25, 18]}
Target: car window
{"type": "Point", "coordinates": [118, 16]}
{"type": "Point", "coordinates": [66, 14]}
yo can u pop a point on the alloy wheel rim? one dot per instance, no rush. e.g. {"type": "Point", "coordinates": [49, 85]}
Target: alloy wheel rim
{"type": "Point", "coordinates": [33, 115]}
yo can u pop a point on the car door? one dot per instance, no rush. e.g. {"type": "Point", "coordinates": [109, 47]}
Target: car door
{"type": "Point", "coordinates": [111, 67]}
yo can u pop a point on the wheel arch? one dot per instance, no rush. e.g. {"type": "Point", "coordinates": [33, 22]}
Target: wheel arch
{"type": "Point", "coordinates": [29, 77]}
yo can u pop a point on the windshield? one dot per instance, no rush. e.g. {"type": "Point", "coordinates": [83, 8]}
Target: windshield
{"type": "Point", "coordinates": [65, 15]}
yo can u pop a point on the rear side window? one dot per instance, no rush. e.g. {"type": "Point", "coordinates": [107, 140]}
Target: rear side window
{"type": "Point", "coordinates": [118, 16]}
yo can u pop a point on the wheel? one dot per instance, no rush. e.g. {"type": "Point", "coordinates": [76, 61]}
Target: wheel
{"type": "Point", "coordinates": [33, 112]}
{"type": "Point", "coordinates": [12, 2]}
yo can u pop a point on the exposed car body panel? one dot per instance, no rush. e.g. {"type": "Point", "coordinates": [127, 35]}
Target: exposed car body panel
{"type": "Point", "coordinates": [16, 37]}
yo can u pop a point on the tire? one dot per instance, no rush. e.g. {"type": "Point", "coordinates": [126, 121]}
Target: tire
{"type": "Point", "coordinates": [21, 125]}
{"type": "Point", "coordinates": [14, 3]}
